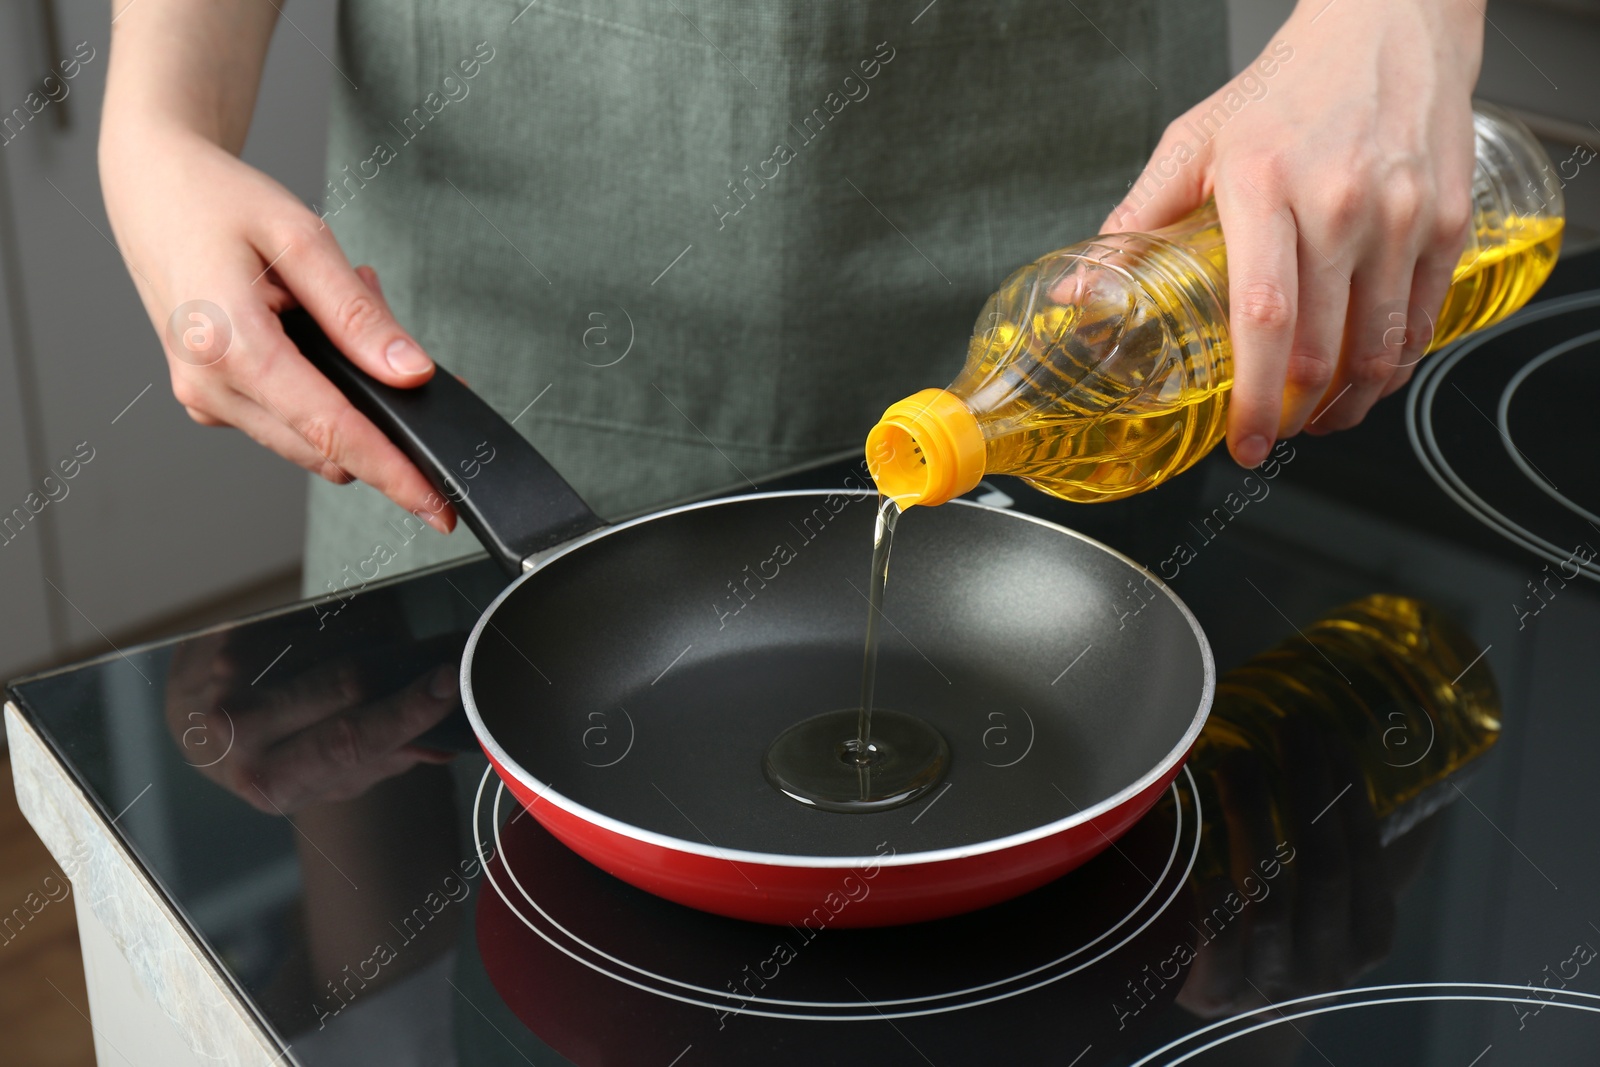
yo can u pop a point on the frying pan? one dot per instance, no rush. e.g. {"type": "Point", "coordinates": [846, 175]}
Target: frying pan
{"type": "Point", "coordinates": [627, 681]}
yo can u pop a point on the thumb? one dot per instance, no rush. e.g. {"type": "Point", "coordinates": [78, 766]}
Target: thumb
{"type": "Point", "coordinates": [351, 310]}
{"type": "Point", "coordinates": [1172, 184]}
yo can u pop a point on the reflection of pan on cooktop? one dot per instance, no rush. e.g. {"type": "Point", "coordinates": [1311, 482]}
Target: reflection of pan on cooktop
{"type": "Point", "coordinates": [626, 684]}
{"type": "Point", "coordinates": [605, 974]}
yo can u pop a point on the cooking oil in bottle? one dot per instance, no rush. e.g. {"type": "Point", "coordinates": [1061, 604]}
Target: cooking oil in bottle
{"type": "Point", "coordinates": [1402, 691]}
{"type": "Point", "coordinates": [1103, 369]}
{"type": "Point", "coordinates": [1498, 274]}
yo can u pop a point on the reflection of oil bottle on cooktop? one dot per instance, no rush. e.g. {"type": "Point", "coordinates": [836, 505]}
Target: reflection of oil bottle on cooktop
{"type": "Point", "coordinates": [1389, 680]}
{"type": "Point", "coordinates": [1103, 369]}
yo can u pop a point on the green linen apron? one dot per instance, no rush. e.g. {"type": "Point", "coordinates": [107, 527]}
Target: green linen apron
{"type": "Point", "coordinates": [689, 243]}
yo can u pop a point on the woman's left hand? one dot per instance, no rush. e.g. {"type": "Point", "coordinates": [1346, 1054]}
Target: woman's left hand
{"type": "Point", "coordinates": [1341, 161]}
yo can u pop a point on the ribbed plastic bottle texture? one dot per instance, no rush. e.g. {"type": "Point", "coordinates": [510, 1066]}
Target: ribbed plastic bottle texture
{"type": "Point", "coordinates": [1103, 369]}
{"type": "Point", "coordinates": [1389, 679]}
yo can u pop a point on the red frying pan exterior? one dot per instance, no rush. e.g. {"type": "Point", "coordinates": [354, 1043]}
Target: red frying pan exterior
{"type": "Point", "coordinates": [849, 887]}
{"type": "Point", "coordinates": [872, 894]}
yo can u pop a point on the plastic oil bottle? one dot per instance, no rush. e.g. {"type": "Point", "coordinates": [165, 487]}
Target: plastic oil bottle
{"type": "Point", "coordinates": [1103, 369]}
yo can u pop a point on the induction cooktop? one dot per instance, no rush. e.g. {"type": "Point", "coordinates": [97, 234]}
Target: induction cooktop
{"type": "Point", "coordinates": [422, 917]}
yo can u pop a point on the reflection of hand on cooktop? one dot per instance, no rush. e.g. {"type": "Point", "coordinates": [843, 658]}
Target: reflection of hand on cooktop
{"type": "Point", "coordinates": [1302, 898]}
{"type": "Point", "coordinates": [319, 727]}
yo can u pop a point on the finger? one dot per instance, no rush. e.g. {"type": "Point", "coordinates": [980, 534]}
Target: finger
{"type": "Point", "coordinates": [1372, 910]}
{"type": "Point", "coordinates": [285, 796]}
{"type": "Point", "coordinates": [430, 755]}
{"type": "Point", "coordinates": [1245, 797]}
{"type": "Point", "coordinates": [287, 387]}
{"type": "Point", "coordinates": [1172, 184]}
{"type": "Point", "coordinates": [281, 708]}
{"type": "Point", "coordinates": [1322, 861]}
{"type": "Point", "coordinates": [1399, 381]}
{"type": "Point", "coordinates": [201, 684]}
{"type": "Point", "coordinates": [1373, 915]}
{"type": "Point", "coordinates": [354, 315]}
{"type": "Point", "coordinates": [1262, 287]}
{"type": "Point", "coordinates": [1366, 362]}
{"type": "Point", "coordinates": [369, 275]}
{"type": "Point", "coordinates": [210, 391]}
{"type": "Point", "coordinates": [229, 408]}
{"type": "Point", "coordinates": [356, 745]}
{"type": "Point", "coordinates": [201, 661]}
{"type": "Point", "coordinates": [1216, 981]}
{"type": "Point", "coordinates": [194, 683]}
{"type": "Point", "coordinates": [1319, 327]}
{"type": "Point", "coordinates": [1430, 284]}
{"type": "Point", "coordinates": [203, 418]}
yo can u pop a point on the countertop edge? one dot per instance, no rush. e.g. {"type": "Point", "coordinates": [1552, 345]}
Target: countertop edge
{"type": "Point", "coordinates": [170, 964]}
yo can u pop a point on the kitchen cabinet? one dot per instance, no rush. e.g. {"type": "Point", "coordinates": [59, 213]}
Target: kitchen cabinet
{"type": "Point", "coordinates": [166, 515]}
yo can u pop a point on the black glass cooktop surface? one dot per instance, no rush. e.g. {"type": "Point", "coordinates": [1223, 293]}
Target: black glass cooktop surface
{"type": "Point", "coordinates": [1382, 850]}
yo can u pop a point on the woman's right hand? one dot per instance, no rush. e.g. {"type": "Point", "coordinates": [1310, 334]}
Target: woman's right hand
{"type": "Point", "coordinates": [217, 249]}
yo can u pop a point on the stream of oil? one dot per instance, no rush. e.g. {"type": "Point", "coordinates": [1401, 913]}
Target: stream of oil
{"type": "Point", "coordinates": [882, 544]}
{"type": "Point", "coordinates": [864, 758]}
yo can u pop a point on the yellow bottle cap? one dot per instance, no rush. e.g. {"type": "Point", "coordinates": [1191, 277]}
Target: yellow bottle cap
{"type": "Point", "coordinates": [926, 449]}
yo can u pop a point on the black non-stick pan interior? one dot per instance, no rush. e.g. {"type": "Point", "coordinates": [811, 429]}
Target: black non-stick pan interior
{"type": "Point", "coordinates": [643, 673]}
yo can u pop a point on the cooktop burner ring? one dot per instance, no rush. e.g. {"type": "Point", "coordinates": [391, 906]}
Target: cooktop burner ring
{"type": "Point", "coordinates": [598, 960]}
{"type": "Point", "coordinates": [1423, 398]}
{"type": "Point", "coordinates": [1503, 417]}
{"type": "Point", "coordinates": [1278, 1015]}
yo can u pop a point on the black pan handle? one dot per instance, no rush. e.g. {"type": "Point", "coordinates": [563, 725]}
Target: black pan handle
{"type": "Point", "coordinates": [499, 484]}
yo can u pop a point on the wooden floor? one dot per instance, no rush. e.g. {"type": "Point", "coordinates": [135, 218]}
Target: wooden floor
{"type": "Point", "coordinates": [43, 1004]}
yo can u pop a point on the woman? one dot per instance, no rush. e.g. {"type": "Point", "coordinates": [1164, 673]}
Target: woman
{"type": "Point", "coordinates": [688, 244]}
